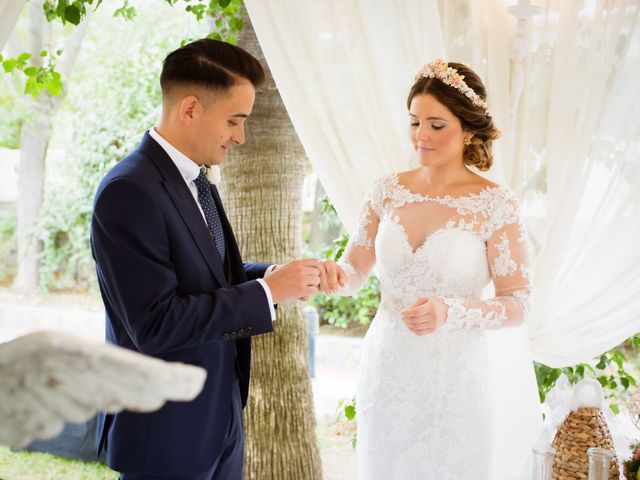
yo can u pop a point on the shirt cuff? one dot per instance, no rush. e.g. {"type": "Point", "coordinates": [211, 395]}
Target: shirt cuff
{"type": "Point", "coordinates": [269, 270]}
{"type": "Point", "coordinates": [267, 291]}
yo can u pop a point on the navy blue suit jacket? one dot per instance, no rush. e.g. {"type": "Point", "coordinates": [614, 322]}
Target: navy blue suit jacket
{"type": "Point", "coordinates": [166, 294]}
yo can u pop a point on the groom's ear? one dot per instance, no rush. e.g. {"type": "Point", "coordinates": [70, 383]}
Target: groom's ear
{"type": "Point", "coordinates": [188, 109]}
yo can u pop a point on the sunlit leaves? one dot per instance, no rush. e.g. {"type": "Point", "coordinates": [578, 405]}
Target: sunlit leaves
{"type": "Point", "coordinates": [611, 370]}
{"type": "Point", "coordinates": [38, 78]}
{"type": "Point", "coordinates": [67, 11]}
{"type": "Point", "coordinates": [227, 16]}
{"type": "Point", "coordinates": [126, 11]}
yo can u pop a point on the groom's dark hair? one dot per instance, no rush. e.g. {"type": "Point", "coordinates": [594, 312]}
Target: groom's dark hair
{"type": "Point", "coordinates": [210, 64]}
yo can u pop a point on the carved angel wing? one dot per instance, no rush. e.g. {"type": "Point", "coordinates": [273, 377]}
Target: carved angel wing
{"type": "Point", "coordinates": [47, 378]}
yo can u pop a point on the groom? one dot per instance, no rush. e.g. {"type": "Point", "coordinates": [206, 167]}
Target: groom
{"type": "Point", "coordinates": [170, 273]}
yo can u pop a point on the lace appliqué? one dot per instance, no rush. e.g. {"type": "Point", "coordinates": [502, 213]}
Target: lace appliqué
{"type": "Point", "coordinates": [525, 272]}
{"type": "Point", "coordinates": [459, 316]}
{"type": "Point", "coordinates": [504, 265]}
{"type": "Point", "coordinates": [523, 298]}
{"type": "Point", "coordinates": [373, 204]}
{"type": "Point", "coordinates": [361, 238]}
{"type": "Point", "coordinates": [482, 213]}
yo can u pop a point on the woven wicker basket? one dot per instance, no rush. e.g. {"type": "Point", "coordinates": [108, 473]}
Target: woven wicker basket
{"type": "Point", "coordinates": [584, 428]}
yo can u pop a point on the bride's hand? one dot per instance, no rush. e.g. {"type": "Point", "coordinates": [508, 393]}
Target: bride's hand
{"type": "Point", "coordinates": [332, 277]}
{"type": "Point", "coordinates": [425, 316]}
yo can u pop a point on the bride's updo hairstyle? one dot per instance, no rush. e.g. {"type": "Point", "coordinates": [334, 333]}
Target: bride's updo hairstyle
{"type": "Point", "coordinates": [472, 113]}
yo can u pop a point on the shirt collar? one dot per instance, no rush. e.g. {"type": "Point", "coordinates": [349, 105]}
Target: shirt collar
{"type": "Point", "coordinates": [187, 167]}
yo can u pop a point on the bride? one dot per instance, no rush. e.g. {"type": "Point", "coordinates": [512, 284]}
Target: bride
{"type": "Point", "coordinates": [437, 236]}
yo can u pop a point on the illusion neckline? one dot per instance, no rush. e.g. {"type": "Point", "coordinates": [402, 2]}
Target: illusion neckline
{"type": "Point", "coordinates": [404, 188]}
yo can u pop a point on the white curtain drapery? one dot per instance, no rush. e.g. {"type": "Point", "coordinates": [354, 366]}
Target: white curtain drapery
{"type": "Point", "coordinates": [587, 276]}
{"type": "Point", "coordinates": [344, 69]}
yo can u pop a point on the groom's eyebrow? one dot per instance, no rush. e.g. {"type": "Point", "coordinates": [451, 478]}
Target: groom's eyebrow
{"type": "Point", "coordinates": [241, 115]}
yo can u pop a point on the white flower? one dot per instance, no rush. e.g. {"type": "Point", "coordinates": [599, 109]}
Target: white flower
{"type": "Point", "coordinates": [213, 174]}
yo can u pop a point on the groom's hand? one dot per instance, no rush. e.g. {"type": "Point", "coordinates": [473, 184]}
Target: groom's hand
{"type": "Point", "coordinates": [425, 315]}
{"type": "Point", "coordinates": [298, 279]}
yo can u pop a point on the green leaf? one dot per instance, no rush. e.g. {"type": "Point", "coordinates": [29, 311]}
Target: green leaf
{"type": "Point", "coordinates": [625, 382]}
{"type": "Point", "coordinates": [614, 408]}
{"type": "Point", "coordinates": [72, 14]}
{"type": "Point", "coordinates": [62, 5]}
{"type": "Point", "coordinates": [350, 412]}
{"type": "Point", "coordinates": [9, 65]}
{"type": "Point", "coordinates": [43, 53]}
{"type": "Point", "coordinates": [54, 86]}
{"type": "Point", "coordinates": [128, 13]}
{"type": "Point", "coordinates": [31, 71]}
{"type": "Point", "coordinates": [224, 3]}
{"type": "Point", "coordinates": [23, 57]}
{"type": "Point", "coordinates": [33, 87]}
{"type": "Point", "coordinates": [237, 24]}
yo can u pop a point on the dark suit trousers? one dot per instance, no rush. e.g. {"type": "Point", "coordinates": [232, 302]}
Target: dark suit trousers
{"type": "Point", "coordinates": [229, 464]}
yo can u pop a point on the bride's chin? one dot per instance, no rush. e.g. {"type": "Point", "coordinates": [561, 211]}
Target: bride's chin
{"type": "Point", "coordinates": [427, 160]}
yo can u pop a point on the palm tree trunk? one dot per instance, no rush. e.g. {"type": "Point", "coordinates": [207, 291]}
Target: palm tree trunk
{"type": "Point", "coordinates": [262, 191]}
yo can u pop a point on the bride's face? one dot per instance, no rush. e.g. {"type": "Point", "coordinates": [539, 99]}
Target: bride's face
{"type": "Point", "coordinates": [435, 132]}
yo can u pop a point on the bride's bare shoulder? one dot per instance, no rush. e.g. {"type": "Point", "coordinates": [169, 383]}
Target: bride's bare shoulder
{"type": "Point", "coordinates": [408, 176]}
{"type": "Point", "coordinates": [482, 183]}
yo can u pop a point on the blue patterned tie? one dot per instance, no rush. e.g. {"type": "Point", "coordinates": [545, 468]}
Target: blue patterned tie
{"type": "Point", "coordinates": [210, 211]}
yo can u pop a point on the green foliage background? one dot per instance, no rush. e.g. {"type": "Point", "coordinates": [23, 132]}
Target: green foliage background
{"type": "Point", "coordinates": [114, 96]}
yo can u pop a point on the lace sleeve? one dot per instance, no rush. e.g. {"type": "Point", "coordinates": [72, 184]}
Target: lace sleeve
{"type": "Point", "coordinates": [509, 266]}
{"type": "Point", "coordinates": [359, 255]}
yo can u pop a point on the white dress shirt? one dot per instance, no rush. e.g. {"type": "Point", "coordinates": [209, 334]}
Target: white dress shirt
{"type": "Point", "coordinates": [189, 170]}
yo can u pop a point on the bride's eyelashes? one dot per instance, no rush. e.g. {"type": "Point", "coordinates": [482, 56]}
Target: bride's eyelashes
{"type": "Point", "coordinates": [435, 127]}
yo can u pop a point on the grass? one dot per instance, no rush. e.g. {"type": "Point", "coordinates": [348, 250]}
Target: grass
{"type": "Point", "coordinates": [334, 440]}
{"type": "Point", "coordinates": [44, 466]}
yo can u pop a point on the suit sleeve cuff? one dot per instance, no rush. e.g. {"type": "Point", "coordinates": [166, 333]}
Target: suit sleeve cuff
{"type": "Point", "coordinates": [267, 291]}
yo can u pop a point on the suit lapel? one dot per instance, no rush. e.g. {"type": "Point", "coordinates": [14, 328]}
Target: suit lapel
{"type": "Point", "coordinates": [184, 202]}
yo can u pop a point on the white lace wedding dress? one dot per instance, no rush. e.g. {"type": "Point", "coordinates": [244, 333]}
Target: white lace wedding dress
{"type": "Point", "coordinates": [424, 402]}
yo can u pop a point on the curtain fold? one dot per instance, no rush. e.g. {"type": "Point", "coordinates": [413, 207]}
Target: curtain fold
{"type": "Point", "coordinates": [344, 70]}
{"type": "Point", "coordinates": [587, 272]}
